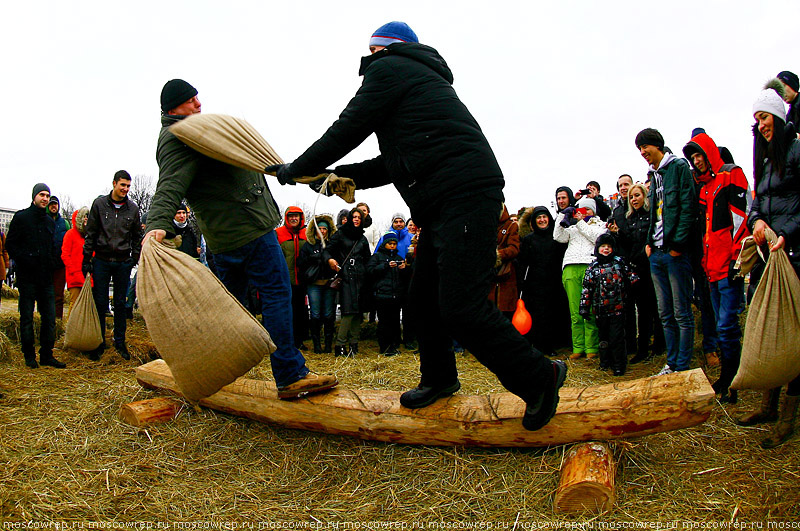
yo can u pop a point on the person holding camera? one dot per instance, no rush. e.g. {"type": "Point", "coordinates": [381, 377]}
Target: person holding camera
{"type": "Point", "coordinates": [580, 238]}
{"type": "Point", "coordinates": [388, 274]}
{"type": "Point", "coordinates": [592, 191]}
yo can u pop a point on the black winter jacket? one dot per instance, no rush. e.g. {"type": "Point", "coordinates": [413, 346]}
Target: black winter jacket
{"type": "Point", "coordinates": [189, 243]}
{"type": "Point", "coordinates": [352, 296]}
{"type": "Point", "coordinates": [539, 258]}
{"type": "Point", "coordinates": [777, 200]}
{"type": "Point", "coordinates": [113, 234]}
{"type": "Point", "coordinates": [388, 283]}
{"type": "Point", "coordinates": [632, 238]}
{"type": "Point", "coordinates": [31, 245]}
{"type": "Point", "coordinates": [431, 146]}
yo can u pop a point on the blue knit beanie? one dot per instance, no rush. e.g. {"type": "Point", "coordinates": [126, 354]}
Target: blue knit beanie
{"type": "Point", "coordinates": [393, 32]}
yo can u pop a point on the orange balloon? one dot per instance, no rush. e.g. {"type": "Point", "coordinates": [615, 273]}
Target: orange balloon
{"type": "Point", "coordinates": [521, 319]}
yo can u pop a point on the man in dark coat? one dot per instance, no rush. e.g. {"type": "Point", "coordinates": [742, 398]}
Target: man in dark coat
{"type": "Point", "coordinates": [791, 88]}
{"type": "Point", "coordinates": [436, 155]}
{"type": "Point", "coordinates": [110, 250]}
{"type": "Point", "coordinates": [59, 271]}
{"type": "Point", "coordinates": [183, 228]}
{"type": "Point", "coordinates": [31, 245]}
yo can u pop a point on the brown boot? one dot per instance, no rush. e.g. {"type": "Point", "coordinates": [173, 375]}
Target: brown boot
{"type": "Point", "coordinates": [784, 428]}
{"type": "Point", "coordinates": [310, 383]}
{"type": "Point", "coordinates": [768, 411]}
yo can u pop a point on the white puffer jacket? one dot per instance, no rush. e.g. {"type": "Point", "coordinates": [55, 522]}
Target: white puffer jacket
{"type": "Point", "coordinates": [580, 239]}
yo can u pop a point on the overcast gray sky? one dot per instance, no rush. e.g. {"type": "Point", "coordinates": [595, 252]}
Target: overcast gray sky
{"type": "Point", "coordinates": [560, 89]}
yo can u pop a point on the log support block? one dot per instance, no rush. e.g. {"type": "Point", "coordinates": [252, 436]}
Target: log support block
{"type": "Point", "coordinates": [587, 480]}
{"type": "Point", "coordinates": [147, 412]}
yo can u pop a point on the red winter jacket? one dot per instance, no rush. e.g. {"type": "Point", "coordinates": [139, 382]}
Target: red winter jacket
{"type": "Point", "coordinates": [724, 201]}
{"type": "Point", "coordinates": [291, 241]}
{"type": "Point", "coordinates": [72, 250]}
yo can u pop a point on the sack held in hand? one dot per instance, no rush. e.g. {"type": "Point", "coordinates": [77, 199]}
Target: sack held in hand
{"type": "Point", "coordinates": [206, 337]}
{"type": "Point", "coordinates": [770, 354]}
{"type": "Point", "coordinates": [83, 324]}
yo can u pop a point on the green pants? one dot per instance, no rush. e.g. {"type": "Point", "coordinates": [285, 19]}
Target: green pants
{"type": "Point", "coordinates": [585, 338]}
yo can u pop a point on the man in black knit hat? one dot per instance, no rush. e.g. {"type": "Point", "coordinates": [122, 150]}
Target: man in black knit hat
{"type": "Point", "coordinates": [435, 154]}
{"type": "Point", "coordinates": [791, 88]}
{"type": "Point", "coordinates": [31, 245]}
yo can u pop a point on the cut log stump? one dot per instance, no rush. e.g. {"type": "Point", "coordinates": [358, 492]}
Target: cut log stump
{"type": "Point", "coordinates": [152, 411]}
{"type": "Point", "coordinates": [630, 408]}
{"type": "Point", "coordinates": [587, 480]}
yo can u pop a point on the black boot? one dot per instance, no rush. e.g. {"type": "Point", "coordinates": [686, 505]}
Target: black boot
{"type": "Point", "coordinates": [315, 326]}
{"type": "Point", "coordinates": [341, 351]}
{"type": "Point", "coordinates": [30, 360]}
{"type": "Point", "coordinates": [425, 395]}
{"type": "Point", "coordinates": [47, 359]}
{"type": "Point", "coordinates": [726, 375]}
{"type": "Point", "coordinates": [353, 350]}
{"type": "Point", "coordinates": [330, 328]}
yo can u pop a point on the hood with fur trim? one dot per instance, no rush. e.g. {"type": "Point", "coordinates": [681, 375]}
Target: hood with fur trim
{"type": "Point", "coordinates": [78, 220]}
{"type": "Point", "coordinates": [311, 230]}
{"type": "Point", "coordinates": [527, 222]}
{"type": "Point", "coordinates": [705, 146]}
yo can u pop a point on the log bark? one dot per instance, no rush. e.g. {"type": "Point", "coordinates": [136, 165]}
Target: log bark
{"type": "Point", "coordinates": [147, 412]}
{"type": "Point", "coordinates": [587, 480]}
{"type": "Point", "coordinates": [625, 409]}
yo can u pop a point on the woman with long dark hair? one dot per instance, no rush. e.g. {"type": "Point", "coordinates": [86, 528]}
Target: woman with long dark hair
{"type": "Point", "coordinates": [776, 170]}
{"type": "Point", "coordinates": [347, 255]}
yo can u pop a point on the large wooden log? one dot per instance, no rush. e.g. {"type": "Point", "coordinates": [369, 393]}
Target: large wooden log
{"type": "Point", "coordinates": [587, 479]}
{"type": "Point", "coordinates": [152, 411]}
{"type": "Point", "coordinates": [625, 409]}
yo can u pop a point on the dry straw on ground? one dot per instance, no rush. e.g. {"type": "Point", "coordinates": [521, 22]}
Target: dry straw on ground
{"type": "Point", "coordinates": [65, 455]}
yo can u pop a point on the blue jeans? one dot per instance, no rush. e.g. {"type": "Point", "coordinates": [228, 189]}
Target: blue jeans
{"type": "Point", "coordinates": [672, 279]}
{"type": "Point", "coordinates": [131, 298]}
{"type": "Point", "coordinates": [40, 293]}
{"type": "Point", "coordinates": [726, 298]}
{"type": "Point", "coordinates": [322, 301]}
{"type": "Point", "coordinates": [261, 261]}
{"type": "Point", "coordinates": [102, 274]}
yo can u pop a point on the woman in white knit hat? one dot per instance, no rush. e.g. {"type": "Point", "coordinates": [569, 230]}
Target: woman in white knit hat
{"type": "Point", "coordinates": [776, 162]}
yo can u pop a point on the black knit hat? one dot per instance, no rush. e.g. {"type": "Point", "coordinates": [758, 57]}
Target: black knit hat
{"type": "Point", "coordinates": [650, 137]}
{"type": "Point", "coordinates": [175, 92]}
{"type": "Point", "coordinates": [790, 78]}
{"type": "Point", "coordinates": [40, 187]}
{"type": "Point", "coordinates": [54, 199]}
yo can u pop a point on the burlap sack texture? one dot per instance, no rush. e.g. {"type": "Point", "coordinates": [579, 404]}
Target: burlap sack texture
{"type": "Point", "coordinates": [236, 142]}
{"type": "Point", "coordinates": [202, 332]}
{"type": "Point", "coordinates": [83, 324]}
{"type": "Point", "coordinates": [771, 344]}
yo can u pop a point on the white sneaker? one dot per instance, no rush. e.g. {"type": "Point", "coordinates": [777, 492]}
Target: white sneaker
{"type": "Point", "coordinates": [665, 370]}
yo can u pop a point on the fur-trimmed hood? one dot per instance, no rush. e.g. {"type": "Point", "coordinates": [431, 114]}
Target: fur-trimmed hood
{"type": "Point", "coordinates": [528, 218]}
{"type": "Point", "coordinates": [311, 229]}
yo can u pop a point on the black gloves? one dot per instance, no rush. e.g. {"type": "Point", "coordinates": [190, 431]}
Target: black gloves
{"type": "Point", "coordinates": [283, 172]}
{"type": "Point", "coordinates": [568, 213]}
{"type": "Point", "coordinates": [86, 267]}
{"type": "Point", "coordinates": [732, 271]}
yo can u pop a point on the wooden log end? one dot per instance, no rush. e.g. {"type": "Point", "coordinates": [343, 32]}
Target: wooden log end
{"type": "Point", "coordinates": [147, 412]}
{"type": "Point", "coordinates": [587, 480]}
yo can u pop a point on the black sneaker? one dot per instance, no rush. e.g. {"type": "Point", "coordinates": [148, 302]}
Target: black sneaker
{"type": "Point", "coordinates": [539, 413]}
{"type": "Point", "coordinates": [422, 396]}
{"type": "Point", "coordinates": [123, 350]}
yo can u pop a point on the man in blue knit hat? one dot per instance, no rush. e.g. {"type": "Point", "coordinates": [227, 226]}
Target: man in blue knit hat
{"type": "Point", "coordinates": [435, 154]}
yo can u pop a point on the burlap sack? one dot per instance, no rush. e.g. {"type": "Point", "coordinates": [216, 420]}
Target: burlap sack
{"type": "Point", "coordinates": [771, 344]}
{"type": "Point", "coordinates": [83, 324]}
{"type": "Point", "coordinates": [201, 331]}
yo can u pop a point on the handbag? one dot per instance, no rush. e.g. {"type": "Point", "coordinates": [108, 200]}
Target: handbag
{"type": "Point", "coordinates": [336, 282]}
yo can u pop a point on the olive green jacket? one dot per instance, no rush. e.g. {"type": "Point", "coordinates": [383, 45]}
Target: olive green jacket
{"type": "Point", "coordinates": [232, 206]}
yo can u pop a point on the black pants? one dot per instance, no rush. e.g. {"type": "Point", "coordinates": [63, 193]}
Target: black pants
{"type": "Point", "coordinates": [452, 273]}
{"type": "Point", "coordinates": [40, 293]}
{"type": "Point", "coordinates": [611, 329]}
{"type": "Point", "coordinates": [649, 323]}
{"type": "Point", "coordinates": [388, 323]}
{"type": "Point", "coordinates": [299, 314]}
{"type": "Point", "coordinates": [104, 273]}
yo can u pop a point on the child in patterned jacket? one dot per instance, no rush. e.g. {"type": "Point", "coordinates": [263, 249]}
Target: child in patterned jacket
{"type": "Point", "coordinates": [606, 288]}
